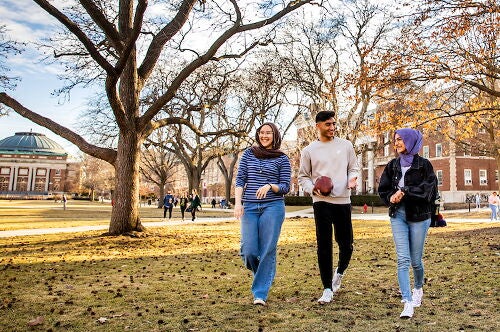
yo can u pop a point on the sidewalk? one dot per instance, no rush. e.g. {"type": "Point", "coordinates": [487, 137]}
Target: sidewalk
{"type": "Point", "coordinates": [306, 213]}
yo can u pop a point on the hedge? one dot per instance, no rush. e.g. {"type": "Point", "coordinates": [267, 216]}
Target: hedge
{"type": "Point", "coordinates": [356, 200]}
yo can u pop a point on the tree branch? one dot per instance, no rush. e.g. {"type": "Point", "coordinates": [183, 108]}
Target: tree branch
{"type": "Point", "coordinates": [108, 155]}
{"type": "Point", "coordinates": [71, 26]}
{"type": "Point", "coordinates": [109, 29]}
{"type": "Point", "coordinates": [195, 64]}
{"type": "Point", "coordinates": [163, 37]}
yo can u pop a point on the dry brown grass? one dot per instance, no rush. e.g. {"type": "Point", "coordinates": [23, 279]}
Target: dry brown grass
{"type": "Point", "coordinates": [190, 278]}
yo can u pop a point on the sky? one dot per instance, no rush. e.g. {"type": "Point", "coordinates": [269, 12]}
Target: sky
{"type": "Point", "coordinates": [26, 22]}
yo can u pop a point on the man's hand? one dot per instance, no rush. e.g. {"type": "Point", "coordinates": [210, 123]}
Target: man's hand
{"type": "Point", "coordinates": [352, 183]}
{"type": "Point", "coordinates": [318, 193]}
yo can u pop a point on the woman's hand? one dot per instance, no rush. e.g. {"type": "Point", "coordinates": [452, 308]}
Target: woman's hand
{"type": "Point", "coordinates": [397, 197]}
{"type": "Point", "coordinates": [238, 210]}
{"type": "Point", "coordinates": [262, 191]}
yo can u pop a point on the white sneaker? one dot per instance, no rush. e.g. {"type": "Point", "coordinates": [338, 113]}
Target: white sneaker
{"type": "Point", "coordinates": [259, 302]}
{"type": "Point", "coordinates": [336, 281]}
{"type": "Point", "coordinates": [417, 297]}
{"type": "Point", "coordinates": [326, 297]}
{"type": "Point", "coordinates": [407, 311]}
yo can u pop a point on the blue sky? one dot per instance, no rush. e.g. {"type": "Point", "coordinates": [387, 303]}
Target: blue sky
{"type": "Point", "coordinates": [25, 23]}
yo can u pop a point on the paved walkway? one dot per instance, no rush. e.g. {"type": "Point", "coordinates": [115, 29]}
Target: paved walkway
{"type": "Point", "coordinates": [306, 213]}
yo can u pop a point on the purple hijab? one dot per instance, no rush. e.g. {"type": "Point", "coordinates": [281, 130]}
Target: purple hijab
{"type": "Point", "coordinates": [413, 140]}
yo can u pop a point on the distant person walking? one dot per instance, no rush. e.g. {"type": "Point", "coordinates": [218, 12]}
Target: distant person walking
{"type": "Point", "coordinates": [168, 204]}
{"type": "Point", "coordinates": [183, 202]}
{"type": "Point", "coordinates": [493, 202]}
{"type": "Point", "coordinates": [262, 180]}
{"type": "Point", "coordinates": [408, 186]}
{"type": "Point", "coordinates": [478, 201]}
{"type": "Point", "coordinates": [64, 199]}
{"type": "Point", "coordinates": [195, 204]}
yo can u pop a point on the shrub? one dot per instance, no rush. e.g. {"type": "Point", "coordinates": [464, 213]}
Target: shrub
{"type": "Point", "coordinates": [298, 200]}
{"type": "Point", "coordinates": [370, 200]}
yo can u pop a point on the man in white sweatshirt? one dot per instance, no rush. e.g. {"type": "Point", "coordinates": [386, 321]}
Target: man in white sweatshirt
{"type": "Point", "coordinates": [333, 157]}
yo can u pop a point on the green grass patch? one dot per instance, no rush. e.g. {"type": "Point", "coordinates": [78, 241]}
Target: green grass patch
{"type": "Point", "coordinates": [190, 278]}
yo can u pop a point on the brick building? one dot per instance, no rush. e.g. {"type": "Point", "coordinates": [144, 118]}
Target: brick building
{"type": "Point", "coordinates": [461, 172]}
{"type": "Point", "coordinates": [32, 164]}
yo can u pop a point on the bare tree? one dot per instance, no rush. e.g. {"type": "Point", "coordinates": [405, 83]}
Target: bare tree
{"type": "Point", "coordinates": [97, 175]}
{"type": "Point", "coordinates": [7, 47]}
{"type": "Point", "coordinates": [260, 90]}
{"type": "Point", "coordinates": [339, 60]}
{"type": "Point", "coordinates": [157, 162]}
{"type": "Point", "coordinates": [102, 43]}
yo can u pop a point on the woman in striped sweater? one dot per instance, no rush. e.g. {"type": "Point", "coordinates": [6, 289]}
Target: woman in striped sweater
{"type": "Point", "coordinates": [262, 181]}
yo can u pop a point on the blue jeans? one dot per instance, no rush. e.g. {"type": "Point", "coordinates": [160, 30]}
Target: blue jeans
{"type": "Point", "coordinates": [260, 230]}
{"type": "Point", "coordinates": [409, 238]}
{"type": "Point", "coordinates": [493, 208]}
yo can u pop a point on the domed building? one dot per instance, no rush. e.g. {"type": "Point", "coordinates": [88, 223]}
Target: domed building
{"type": "Point", "coordinates": [31, 164]}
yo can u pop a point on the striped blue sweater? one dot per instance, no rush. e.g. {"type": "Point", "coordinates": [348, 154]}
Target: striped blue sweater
{"type": "Point", "coordinates": [253, 173]}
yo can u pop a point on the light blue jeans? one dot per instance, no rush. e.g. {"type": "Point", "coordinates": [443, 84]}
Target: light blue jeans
{"type": "Point", "coordinates": [260, 231]}
{"type": "Point", "coordinates": [493, 208]}
{"type": "Point", "coordinates": [409, 238]}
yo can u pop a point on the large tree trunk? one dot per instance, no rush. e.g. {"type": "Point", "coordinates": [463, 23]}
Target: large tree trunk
{"type": "Point", "coordinates": [125, 212]}
{"type": "Point", "coordinates": [195, 181]}
{"type": "Point", "coordinates": [162, 193]}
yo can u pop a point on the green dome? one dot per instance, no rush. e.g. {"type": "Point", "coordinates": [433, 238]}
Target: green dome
{"type": "Point", "coordinates": [31, 143]}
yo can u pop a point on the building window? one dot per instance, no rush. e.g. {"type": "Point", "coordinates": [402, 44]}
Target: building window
{"type": "Point", "coordinates": [22, 171]}
{"type": "Point", "coordinates": [425, 151]}
{"type": "Point", "coordinates": [5, 171]}
{"type": "Point", "coordinates": [39, 184]}
{"type": "Point", "coordinates": [41, 172]}
{"type": "Point", "coordinates": [22, 183]}
{"type": "Point", "coordinates": [439, 175]}
{"type": "Point", "coordinates": [467, 177]}
{"type": "Point", "coordinates": [483, 177]}
{"type": "Point", "coordinates": [439, 150]}
{"type": "Point", "coordinates": [496, 176]}
{"type": "Point", "coordinates": [4, 183]}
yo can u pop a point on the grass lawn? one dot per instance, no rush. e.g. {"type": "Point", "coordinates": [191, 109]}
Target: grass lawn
{"type": "Point", "coordinates": [190, 278]}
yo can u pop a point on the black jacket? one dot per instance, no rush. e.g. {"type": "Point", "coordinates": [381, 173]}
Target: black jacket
{"type": "Point", "coordinates": [420, 188]}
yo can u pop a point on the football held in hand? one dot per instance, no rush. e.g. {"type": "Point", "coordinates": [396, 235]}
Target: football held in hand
{"type": "Point", "coordinates": [324, 184]}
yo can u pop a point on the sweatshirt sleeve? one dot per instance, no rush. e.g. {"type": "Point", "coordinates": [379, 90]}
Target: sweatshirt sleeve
{"type": "Point", "coordinates": [353, 166]}
{"type": "Point", "coordinates": [305, 172]}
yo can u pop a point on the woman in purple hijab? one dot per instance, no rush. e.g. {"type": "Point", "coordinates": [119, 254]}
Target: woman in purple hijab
{"type": "Point", "coordinates": [408, 186]}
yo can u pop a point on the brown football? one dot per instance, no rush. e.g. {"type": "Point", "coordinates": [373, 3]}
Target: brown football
{"type": "Point", "coordinates": [324, 184]}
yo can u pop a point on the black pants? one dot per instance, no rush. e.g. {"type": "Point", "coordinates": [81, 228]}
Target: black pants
{"type": "Point", "coordinates": [169, 209]}
{"type": "Point", "coordinates": [338, 215]}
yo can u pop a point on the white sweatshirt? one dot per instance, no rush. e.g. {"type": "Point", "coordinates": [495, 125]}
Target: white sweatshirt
{"type": "Point", "coordinates": [336, 159]}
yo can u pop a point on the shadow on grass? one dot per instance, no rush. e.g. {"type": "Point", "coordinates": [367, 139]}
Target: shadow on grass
{"type": "Point", "coordinates": [191, 278]}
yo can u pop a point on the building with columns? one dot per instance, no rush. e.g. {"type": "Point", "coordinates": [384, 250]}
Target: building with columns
{"type": "Point", "coordinates": [31, 164]}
